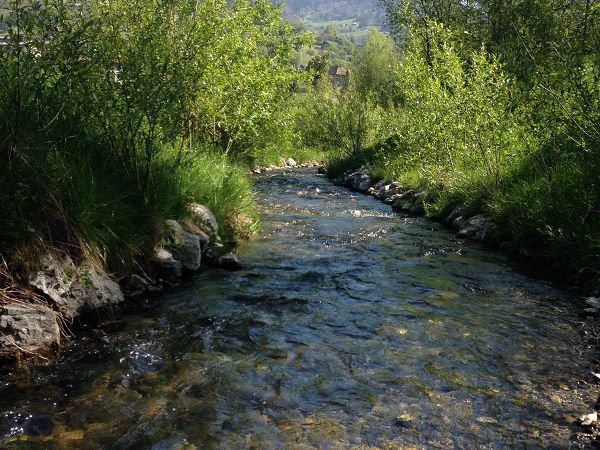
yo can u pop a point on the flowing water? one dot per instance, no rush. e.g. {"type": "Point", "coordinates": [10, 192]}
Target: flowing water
{"type": "Point", "coordinates": [349, 327]}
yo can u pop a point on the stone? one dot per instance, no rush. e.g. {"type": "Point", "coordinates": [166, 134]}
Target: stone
{"type": "Point", "coordinates": [588, 420]}
{"type": "Point", "coordinates": [387, 190]}
{"type": "Point", "coordinates": [257, 170]}
{"type": "Point", "coordinates": [359, 181]}
{"type": "Point", "coordinates": [227, 261]}
{"type": "Point", "coordinates": [165, 267]}
{"type": "Point", "coordinates": [138, 286]}
{"type": "Point", "coordinates": [403, 201]}
{"type": "Point", "coordinates": [593, 302]}
{"type": "Point", "coordinates": [186, 247]}
{"type": "Point", "coordinates": [393, 199]}
{"type": "Point", "coordinates": [290, 163]}
{"type": "Point", "coordinates": [27, 328]}
{"type": "Point", "coordinates": [205, 219]}
{"type": "Point", "coordinates": [478, 227]}
{"type": "Point", "coordinates": [457, 213]}
{"type": "Point", "coordinates": [74, 289]}
{"type": "Point", "coordinates": [423, 196]}
{"type": "Point", "coordinates": [373, 190]}
{"type": "Point", "coordinates": [343, 179]}
{"type": "Point", "coordinates": [405, 420]}
{"type": "Point", "coordinates": [418, 208]}
{"type": "Point", "coordinates": [192, 228]}
{"type": "Point", "coordinates": [421, 199]}
{"type": "Point", "coordinates": [458, 222]}
{"type": "Point", "coordinates": [176, 442]}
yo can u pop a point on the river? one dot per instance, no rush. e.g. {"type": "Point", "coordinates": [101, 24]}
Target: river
{"type": "Point", "coordinates": [350, 326]}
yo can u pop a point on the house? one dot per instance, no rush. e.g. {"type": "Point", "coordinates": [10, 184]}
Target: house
{"type": "Point", "coordinates": [340, 76]}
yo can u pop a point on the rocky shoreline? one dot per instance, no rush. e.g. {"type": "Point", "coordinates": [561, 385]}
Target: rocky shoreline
{"type": "Point", "coordinates": [465, 223]}
{"type": "Point", "coordinates": [64, 291]}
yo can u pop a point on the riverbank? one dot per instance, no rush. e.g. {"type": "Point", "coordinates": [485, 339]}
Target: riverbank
{"type": "Point", "coordinates": [49, 288]}
{"type": "Point", "coordinates": [36, 313]}
{"type": "Point", "coordinates": [348, 326]}
{"type": "Point", "coordinates": [469, 221]}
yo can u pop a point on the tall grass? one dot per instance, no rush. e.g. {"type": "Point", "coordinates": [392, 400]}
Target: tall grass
{"type": "Point", "coordinates": [212, 179]}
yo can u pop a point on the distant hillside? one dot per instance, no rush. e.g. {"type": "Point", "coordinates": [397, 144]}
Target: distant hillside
{"type": "Point", "coordinates": [368, 12]}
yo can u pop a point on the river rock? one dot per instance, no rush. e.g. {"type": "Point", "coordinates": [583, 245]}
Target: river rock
{"type": "Point", "coordinates": [28, 328]}
{"type": "Point", "coordinates": [187, 247]}
{"type": "Point", "coordinates": [205, 219]}
{"type": "Point", "coordinates": [74, 289]}
{"type": "Point", "coordinates": [388, 191]}
{"type": "Point", "coordinates": [589, 419]}
{"type": "Point", "coordinates": [228, 261]}
{"type": "Point", "coordinates": [343, 179]}
{"type": "Point", "coordinates": [417, 208]}
{"type": "Point", "coordinates": [478, 227]}
{"type": "Point", "coordinates": [138, 286]}
{"type": "Point", "coordinates": [403, 201]}
{"type": "Point", "coordinates": [420, 200]}
{"type": "Point", "coordinates": [593, 302]}
{"type": "Point", "coordinates": [457, 213]}
{"type": "Point", "coordinates": [392, 199]}
{"type": "Point", "coordinates": [359, 181]}
{"type": "Point", "coordinates": [165, 267]}
{"type": "Point", "coordinates": [290, 163]}
{"type": "Point", "coordinates": [373, 190]}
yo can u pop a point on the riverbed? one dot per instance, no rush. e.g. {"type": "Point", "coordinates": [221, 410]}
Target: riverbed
{"type": "Point", "coordinates": [350, 326]}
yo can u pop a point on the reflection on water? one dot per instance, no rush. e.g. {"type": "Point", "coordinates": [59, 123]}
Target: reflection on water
{"type": "Point", "coordinates": [349, 327]}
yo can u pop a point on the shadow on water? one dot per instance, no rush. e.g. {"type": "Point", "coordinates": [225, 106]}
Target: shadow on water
{"type": "Point", "coordinates": [349, 327]}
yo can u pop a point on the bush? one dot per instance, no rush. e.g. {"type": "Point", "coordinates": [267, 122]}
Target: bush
{"type": "Point", "coordinates": [110, 113]}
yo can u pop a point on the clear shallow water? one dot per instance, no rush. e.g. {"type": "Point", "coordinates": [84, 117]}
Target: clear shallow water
{"type": "Point", "coordinates": [349, 327]}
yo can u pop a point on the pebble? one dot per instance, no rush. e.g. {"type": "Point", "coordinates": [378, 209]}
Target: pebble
{"type": "Point", "coordinates": [589, 419]}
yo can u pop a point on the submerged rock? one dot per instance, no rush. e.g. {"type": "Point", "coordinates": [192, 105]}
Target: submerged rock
{"type": "Point", "coordinates": [227, 261]}
{"type": "Point", "coordinates": [176, 442]}
{"type": "Point", "coordinates": [589, 419]}
{"type": "Point", "coordinates": [138, 286]}
{"type": "Point", "coordinates": [186, 248]}
{"type": "Point", "coordinates": [74, 289]}
{"type": "Point", "coordinates": [593, 302]}
{"type": "Point", "coordinates": [30, 329]}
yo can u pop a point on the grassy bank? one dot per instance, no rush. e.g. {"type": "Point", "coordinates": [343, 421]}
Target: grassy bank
{"type": "Point", "coordinates": [115, 116]}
